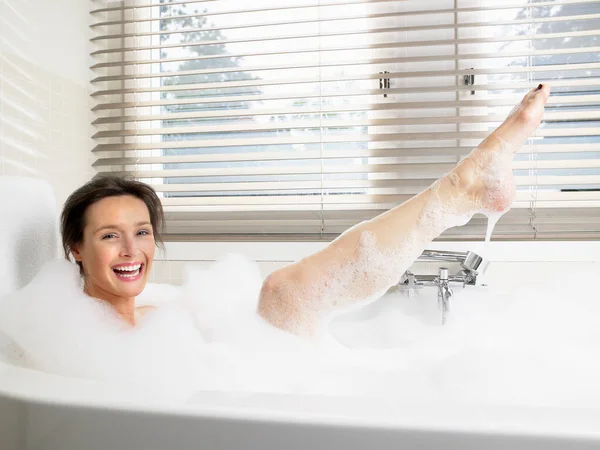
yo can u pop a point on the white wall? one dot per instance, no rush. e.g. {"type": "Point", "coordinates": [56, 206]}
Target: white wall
{"type": "Point", "coordinates": [45, 114]}
{"type": "Point", "coordinates": [509, 260]}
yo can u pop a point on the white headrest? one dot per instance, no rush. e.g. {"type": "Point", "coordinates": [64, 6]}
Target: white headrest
{"type": "Point", "coordinates": [28, 230]}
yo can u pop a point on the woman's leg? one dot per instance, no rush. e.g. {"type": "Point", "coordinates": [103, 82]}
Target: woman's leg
{"type": "Point", "coordinates": [366, 260]}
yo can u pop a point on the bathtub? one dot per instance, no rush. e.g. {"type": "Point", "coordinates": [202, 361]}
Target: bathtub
{"type": "Point", "coordinates": [42, 411]}
{"type": "Point", "coordinates": [45, 412]}
{"type": "Point", "coordinates": [48, 412]}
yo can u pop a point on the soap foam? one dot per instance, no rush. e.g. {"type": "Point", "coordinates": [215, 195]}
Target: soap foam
{"type": "Point", "coordinates": [521, 344]}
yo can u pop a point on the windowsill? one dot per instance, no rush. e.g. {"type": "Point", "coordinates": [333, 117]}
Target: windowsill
{"type": "Point", "coordinates": [548, 251]}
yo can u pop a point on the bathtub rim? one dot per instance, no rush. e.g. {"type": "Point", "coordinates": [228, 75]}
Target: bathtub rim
{"type": "Point", "coordinates": [39, 388]}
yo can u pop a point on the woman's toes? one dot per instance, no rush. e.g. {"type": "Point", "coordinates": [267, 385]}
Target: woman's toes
{"type": "Point", "coordinates": [526, 118]}
{"type": "Point", "coordinates": [541, 89]}
{"type": "Point", "coordinates": [529, 111]}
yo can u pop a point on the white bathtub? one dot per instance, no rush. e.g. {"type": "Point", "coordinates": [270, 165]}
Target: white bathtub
{"type": "Point", "coordinates": [45, 412]}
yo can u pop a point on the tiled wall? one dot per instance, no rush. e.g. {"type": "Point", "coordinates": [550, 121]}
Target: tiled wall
{"type": "Point", "coordinates": [45, 115]}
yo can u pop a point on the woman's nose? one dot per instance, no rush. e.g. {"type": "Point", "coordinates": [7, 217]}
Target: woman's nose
{"type": "Point", "coordinates": [129, 248]}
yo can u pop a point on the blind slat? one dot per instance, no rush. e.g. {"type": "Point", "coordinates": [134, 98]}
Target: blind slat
{"type": "Point", "coordinates": [396, 185]}
{"type": "Point", "coordinates": [416, 170]}
{"type": "Point", "coordinates": [354, 62]}
{"type": "Point", "coordinates": [413, 153]}
{"type": "Point", "coordinates": [591, 82]}
{"type": "Point", "coordinates": [291, 6]}
{"type": "Point", "coordinates": [348, 2]}
{"type": "Point", "coordinates": [332, 123]}
{"type": "Point", "coordinates": [382, 137]}
{"type": "Point", "coordinates": [566, 100]}
{"type": "Point", "coordinates": [523, 199]}
{"type": "Point", "coordinates": [329, 20]}
{"type": "Point", "coordinates": [359, 77]}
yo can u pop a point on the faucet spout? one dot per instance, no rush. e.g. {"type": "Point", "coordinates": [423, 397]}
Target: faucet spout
{"type": "Point", "coordinates": [444, 293]}
{"type": "Point", "coordinates": [469, 261]}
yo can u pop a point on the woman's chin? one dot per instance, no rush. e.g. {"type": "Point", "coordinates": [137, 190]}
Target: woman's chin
{"type": "Point", "coordinates": [131, 289]}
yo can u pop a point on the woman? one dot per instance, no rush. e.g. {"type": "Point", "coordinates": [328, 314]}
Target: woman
{"type": "Point", "coordinates": [111, 227]}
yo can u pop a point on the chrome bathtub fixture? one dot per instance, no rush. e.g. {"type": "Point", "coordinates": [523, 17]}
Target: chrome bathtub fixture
{"type": "Point", "coordinates": [444, 293]}
{"type": "Point", "coordinates": [471, 263]}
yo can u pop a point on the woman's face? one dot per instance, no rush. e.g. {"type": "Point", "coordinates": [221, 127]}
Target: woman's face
{"type": "Point", "coordinates": [117, 249]}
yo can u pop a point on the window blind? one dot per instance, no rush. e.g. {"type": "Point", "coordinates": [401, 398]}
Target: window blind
{"type": "Point", "coordinates": [297, 120]}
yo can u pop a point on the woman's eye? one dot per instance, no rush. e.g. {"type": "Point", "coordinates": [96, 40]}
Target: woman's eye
{"type": "Point", "coordinates": [109, 236]}
{"type": "Point", "coordinates": [144, 232]}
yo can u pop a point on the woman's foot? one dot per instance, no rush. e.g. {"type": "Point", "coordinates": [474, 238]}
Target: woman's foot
{"type": "Point", "coordinates": [524, 118]}
{"type": "Point", "coordinates": [484, 178]}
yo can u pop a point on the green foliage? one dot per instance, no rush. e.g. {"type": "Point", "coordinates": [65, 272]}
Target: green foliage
{"type": "Point", "coordinates": [203, 33]}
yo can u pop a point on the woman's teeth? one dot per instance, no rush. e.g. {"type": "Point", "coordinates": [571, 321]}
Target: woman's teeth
{"type": "Point", "coordinates": [129, 271]}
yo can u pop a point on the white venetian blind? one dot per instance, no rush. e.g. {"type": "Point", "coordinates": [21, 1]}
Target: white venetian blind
{"type": "Point", "coordinates": [298, 119]}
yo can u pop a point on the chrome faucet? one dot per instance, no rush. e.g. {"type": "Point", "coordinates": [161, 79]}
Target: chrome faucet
{"type": "Point", "coordinates": [471, 263]}
{"type": "Point", "coordinates": [444, 293]}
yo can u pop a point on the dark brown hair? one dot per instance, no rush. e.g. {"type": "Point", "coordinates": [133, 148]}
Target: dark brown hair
{"type": "Point", "coordinates": [72, 221]}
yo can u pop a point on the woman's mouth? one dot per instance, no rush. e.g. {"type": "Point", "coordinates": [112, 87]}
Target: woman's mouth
{"type": "Point", "coordinates": [129, 272]}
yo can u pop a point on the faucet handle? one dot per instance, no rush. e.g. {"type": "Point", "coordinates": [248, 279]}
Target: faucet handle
{"type": "Point", "coordinates": [407, 280]}
{"type": "Point", "coordinates": [443, 274]}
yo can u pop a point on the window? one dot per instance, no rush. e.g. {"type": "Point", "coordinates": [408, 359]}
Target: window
{"type": "Point", "coordinates": [299, 119]}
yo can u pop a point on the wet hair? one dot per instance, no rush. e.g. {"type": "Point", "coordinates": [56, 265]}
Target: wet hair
{"type": "Point", "coordinates": [72, 221]}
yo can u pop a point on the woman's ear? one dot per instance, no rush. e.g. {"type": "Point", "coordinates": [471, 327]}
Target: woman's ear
{"type": "Point", "coordinates": [76, 253]}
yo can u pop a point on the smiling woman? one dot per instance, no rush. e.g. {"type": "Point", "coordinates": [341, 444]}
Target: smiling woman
{"type": "Point", "coordinates": [111, 226]}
